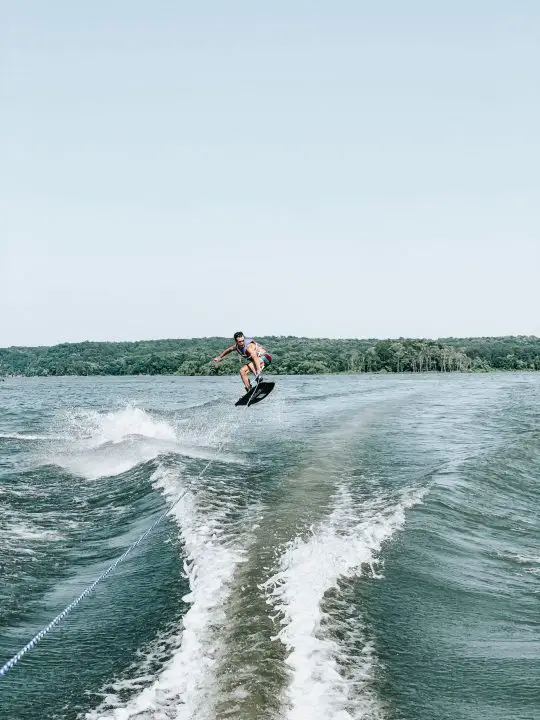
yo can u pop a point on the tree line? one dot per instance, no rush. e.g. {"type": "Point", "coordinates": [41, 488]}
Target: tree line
{"type": "Point", "coordinates": [291, 356]}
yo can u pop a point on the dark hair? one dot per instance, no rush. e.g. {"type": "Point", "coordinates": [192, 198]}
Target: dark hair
{"type": "Point", "coordinates": [238, 334]}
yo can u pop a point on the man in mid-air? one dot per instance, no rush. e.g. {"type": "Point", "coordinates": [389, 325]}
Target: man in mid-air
{"type": "Point", "coordinates": [258, 358]}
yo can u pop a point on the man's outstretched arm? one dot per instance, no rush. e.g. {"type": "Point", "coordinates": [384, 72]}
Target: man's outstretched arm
{"type": "Point", "coordinates": [220, 357]}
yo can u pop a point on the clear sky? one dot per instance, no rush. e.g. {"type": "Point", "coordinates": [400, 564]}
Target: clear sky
{"type": "Point", "coordinates": [337, 169]}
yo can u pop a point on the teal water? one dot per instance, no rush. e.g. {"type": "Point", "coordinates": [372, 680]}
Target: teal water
{"type": "Point", "coordinates": [352, 547]}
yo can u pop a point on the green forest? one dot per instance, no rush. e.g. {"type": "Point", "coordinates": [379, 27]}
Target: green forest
{"type": "Point", "coordinates": [291, 356]}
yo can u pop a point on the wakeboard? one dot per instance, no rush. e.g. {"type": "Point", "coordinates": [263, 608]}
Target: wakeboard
{"type": "Point", "coordinates": [257, 393]}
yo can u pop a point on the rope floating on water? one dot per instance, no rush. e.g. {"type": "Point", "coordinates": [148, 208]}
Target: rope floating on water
{"type": "Point", "coordinates": [67, 610]}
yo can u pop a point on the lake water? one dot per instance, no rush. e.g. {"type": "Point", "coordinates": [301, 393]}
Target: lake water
{"type": "Point", "coordinates": [352, 547]}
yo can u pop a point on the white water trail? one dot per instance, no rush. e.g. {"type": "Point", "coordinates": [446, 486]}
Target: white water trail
{"type": "Point", "coordinates": [186, 687]}
{"type": "Point", "coordinates": [325, 684]}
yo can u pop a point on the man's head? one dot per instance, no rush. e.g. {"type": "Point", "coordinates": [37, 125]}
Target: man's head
{"type": "Point", "coordinates": [239, 337]}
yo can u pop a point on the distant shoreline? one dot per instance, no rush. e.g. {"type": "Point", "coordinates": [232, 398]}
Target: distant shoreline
{"type": "Point", "coordinates": [233, 373]}
{"type": "Point", "coordinates": [291, 356]}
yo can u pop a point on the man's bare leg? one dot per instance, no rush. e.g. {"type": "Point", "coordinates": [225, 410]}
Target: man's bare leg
{"type": "Point", "coordinates": [256, 366]}
{"type": "Point", "coordinates": [244, 370]}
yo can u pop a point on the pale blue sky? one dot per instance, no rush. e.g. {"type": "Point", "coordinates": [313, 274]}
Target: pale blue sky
{"type": "Point", "coordinates": [357, 169]}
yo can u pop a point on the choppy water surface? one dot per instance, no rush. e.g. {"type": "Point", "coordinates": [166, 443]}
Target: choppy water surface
{"type": "Point", "coordinates": [352, 547]}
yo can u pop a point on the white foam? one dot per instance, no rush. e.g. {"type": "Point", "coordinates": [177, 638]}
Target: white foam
{"type": "Point", "coordinates": [185, 687]}
{"type": "Point", "coordinates": [15, 531]}
{"type": "Point", "coordinates": [108, 444]}
{"type": "Point", "coordinates": [109, 460]}
{"type": "Point", "coordinates": [114, 427]}
{"type": "Point", "coordinates": [23, 436]}
{"type": "Point", "coordinates": [530, 563]}
{"type": "Point", "coordinates": [521, 559]}
{"type": "Point", "coordinates": [342, 547]}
